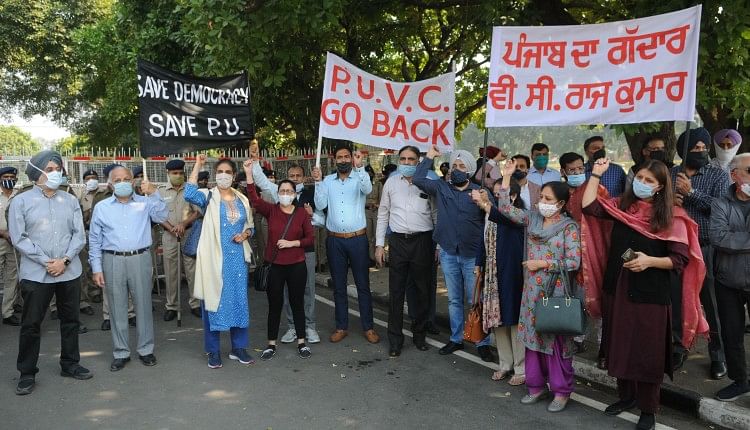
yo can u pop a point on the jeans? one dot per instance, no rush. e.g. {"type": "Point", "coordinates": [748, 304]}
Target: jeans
{"type": "Point", "coordinates": [459, 280]}
{"type": "Point", "coordinates": [343, 253]}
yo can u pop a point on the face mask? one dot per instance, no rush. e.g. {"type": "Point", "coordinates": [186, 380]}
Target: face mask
{"type": "Point", "coordinates": [540, 161]}
{"type": "Point", "coordinates": [658, 155]}
{"type": "Point", "coordinates": [407, 170]}
{"type": "Point", "coordinates": [54, 178]}
{"type": "Point", "coordinates": [92, 184]}
{"type": "Point", "coordinates": [299, 187]}
{"type": "Point", "coordinates": [519, 175]}
{"type": "Point", "coordinates": [547, 210]}
{"type": "Point", "coordinates": [9, 183]}
{"type": "Point", "coordinates": [344, 167]}
{"type": "Point", "coordinates": [123, 189]}
{"type": "Point", "coordinates": [641, 190]}
{"type": "Point", "coordinates": [745, 188]}
{"type": "Point", "coordinates": [176, 180]}
{"type": "Point", "coordinates": [600, 154]}
{"type": "Point", "coordinates": [459, 178]}
{"type": "Point", "coordinates": [696, 160]}
{"type": "Point", "coordinates": [286, 200]}
{"type": "Point", "coordinates": [223, 180]}
{"type": "Point", "coordinates": [725, 155]}
{"type": "Point", "coordinates": [576, 180]}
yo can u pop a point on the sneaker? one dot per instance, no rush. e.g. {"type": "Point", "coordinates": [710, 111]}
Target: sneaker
{"type": "Point", "coordinates": [25, 385]}
{"type": "Point", "coordinates": [733, 392]}
{"type": "Point", "coordinates": [241, 355]}
{"type": "Point", "coordinates": [312, 335]}
{"type": "Point", "coordinates": [290, 336]}
{"type": "Point", "coordinates": [267, 354]}
{"type": "Point", "coordinates": [214, 360]}
{"type": "Point", "coordinates": [305, 352]}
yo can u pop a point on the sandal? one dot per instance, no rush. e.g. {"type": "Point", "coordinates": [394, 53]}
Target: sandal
{"type": "Point", "coordinates": [499, 375]}
{"type": "Point", "coordinates": [517, 380]}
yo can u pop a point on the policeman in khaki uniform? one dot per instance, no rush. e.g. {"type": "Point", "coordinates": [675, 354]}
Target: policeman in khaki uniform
{"type": "Point", "coordinates": [89, 193]}
{"type": "Point", "coordinates": [8, 264]}
{"type": "Point", "coordinates": [177, 226]}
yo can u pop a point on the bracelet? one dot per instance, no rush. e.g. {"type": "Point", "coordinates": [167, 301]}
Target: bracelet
{"type": "Point", "coordinates": [596, 175]}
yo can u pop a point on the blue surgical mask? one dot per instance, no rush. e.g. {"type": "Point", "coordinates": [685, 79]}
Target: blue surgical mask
{"type": "Point", "coordinates": [54, 178]}
{"type": "Point", "coordinates": [407, 170]}
{"type": "Point", "coordinates": [123, 189]}
{"type": "Point", "coordinates": [576, 180]}
{"type": "Point", "coordinates": [459, 177]}
{"type": "Point", "coordinates": [299, 187]}
{"type": "Point", "coordinates": [641, 190]}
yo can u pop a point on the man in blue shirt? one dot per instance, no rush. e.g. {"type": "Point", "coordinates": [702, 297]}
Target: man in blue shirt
{"type": "Point", "coordinates": [459, 229]}
{"type": "Point", "coordinates": [539, 174]}
{"type": "Point", "coordinates": [614, 178]}
{"type": "Point", "coordinates": [119, 243]}
{"type": "Point", "coordinates": [344, 193]}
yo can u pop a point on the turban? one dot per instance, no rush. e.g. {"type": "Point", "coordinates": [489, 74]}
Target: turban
{"type": "Point", "coordinates": [40, 160]}
{"type": "Point", "coordinates": [466, 157]}
{"type": "Point", "coordinates": [492, 152]}
{"type": "Point", "coordinates": [699, 134]}
{"type": "Point", "coordinates": [733, 135]}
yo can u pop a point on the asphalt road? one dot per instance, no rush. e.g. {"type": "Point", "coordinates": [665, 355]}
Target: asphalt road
{"type": "Point", "coordinates": [352, 384]}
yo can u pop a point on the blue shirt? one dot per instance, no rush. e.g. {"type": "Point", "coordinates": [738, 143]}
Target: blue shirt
{"type": "Point", "coordinates": [345, 200]}
{"type": "Point", "coordinates": [460, 223]}
{"type": "Point", "coordinates": [117, 226]}
{"type": "Point", "coordinates": [549, 175]}
{"type": "Point", "coordinates": [613, 179]}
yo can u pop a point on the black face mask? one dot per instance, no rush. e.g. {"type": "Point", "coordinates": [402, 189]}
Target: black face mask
{"type": "Point", "coordinates": [600, 154]}
{"type": "Point", "coordinates": [696, 160]}
{"type": "Point", "coordinates": [519, 175]}
{"type": "Point", "coordinates": [9, 183]}
{"type": "Point", "coordinates": [344, 167]}
{"type": "Point", "coordinates": [658, 155]}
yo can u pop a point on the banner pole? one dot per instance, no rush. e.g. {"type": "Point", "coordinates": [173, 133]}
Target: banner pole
{"type": "Point", "coordinates": [687, 139]}
{"type": "Point", "coordinates": [317, 154]}
{"type": "Point", "coordinates": [484, 157]}
{"type": "Point", "coordinates": [143, 162]}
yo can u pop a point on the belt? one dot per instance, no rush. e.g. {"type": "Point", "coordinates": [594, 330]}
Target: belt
{"type": "Point", "coordinates": [127, 253]}
{"type": "Point", "coordinates": [409, 235]}
{"type": "Point", "coordinates": [348, 235]}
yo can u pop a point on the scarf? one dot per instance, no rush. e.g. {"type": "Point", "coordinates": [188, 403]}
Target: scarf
{"type": "Point", "coordinates": [208, 264]}
{"type": "Point", "coordinates": [538, 233]}
{"type": "Point", "coordinates": [490, 292]}
{"type": "Point", "coordinates": [684, 230]}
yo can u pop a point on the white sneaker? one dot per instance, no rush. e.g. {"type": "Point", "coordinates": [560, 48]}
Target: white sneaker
{"type": "Point", "coordinates": [312, 336]}
{"type": "Point", "coordinates": [290, 336]}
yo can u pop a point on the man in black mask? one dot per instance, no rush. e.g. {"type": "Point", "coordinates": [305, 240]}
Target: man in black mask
{"type": "Point", "coordinates": [653, 148]}
{"type": "Point", "coordinates": [697, 185]}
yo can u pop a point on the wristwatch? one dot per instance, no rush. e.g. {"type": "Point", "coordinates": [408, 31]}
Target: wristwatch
{"type": "Point", "coordinates": [66, 260]}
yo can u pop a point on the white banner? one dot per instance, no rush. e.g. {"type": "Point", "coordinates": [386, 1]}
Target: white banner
{"type": "Point", "coordinates": [641, 70]}
{"type": "Point", "coordinates": [364, 108]}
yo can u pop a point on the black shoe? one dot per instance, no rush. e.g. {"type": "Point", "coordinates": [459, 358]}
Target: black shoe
{"type": "Point", "coordinates": [118, 364]}
{"type": "Point", "coordinates": [718, 370]}
{"type": "Point", "coordinates": [450, 348]}
{"type": "Point", "coordinates": [12, 320]}
{"type": "Point", "coordinates": [25, 385]}
{"type": "Point", "coordinates": [77, 371]}
{"type": "Point", "coordinates": [196, 312]}
{"type": "Point", "coordinates": [97, 298]}
{"type": "Point", "coordinates": [148, 360]}
{"type": "Point", "coordinates": [394, 352]}
{"type": "Point", "coordinates": [17, 309]}
{"type": "Point", "coordinates": [733, 392]}
{"type": "Point", "coordinates": [82, 329]}
{"type": "Point", "coordinates": [601, 363]}
{"type": "Point", "coordinates": [170, 315]}
{"type": "Point", "coordinates": [53, 315]}
{"type": "Point", "coordinates": [619, 407]}
{"type": "Point", "coordinates": [432, 329]}
{"type": "Point", "coordinates": [646, 422]}
{"type": "Point", "coordinates": [485, 354]}
{"type": "Point", "coordinates": [580, 347]}
{"type": "Point", "coordinates": [421, 345]}
{"type": "Point", "coordinates": [131, 321]}
{"type": "Point", "coordinates": [106, 325]}
{"type": "Point", "coordinates": [678, 359]}
{"type": "Point", "coordinates": [88, 310]}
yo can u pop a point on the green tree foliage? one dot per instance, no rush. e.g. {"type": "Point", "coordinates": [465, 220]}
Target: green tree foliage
{"type": "Point", "coordinates": [13, 140]}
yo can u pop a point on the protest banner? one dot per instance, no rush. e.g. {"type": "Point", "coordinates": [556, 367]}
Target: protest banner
{"type": "Point", "coordinates": [181, 113]}
{"type": "Point", "coordinates": [641, 70]}
{"type": "Point", "coordinates": [362, 107]}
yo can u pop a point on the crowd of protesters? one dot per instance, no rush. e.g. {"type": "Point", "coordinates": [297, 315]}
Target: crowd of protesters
{"type": "Point", "coordinates": [659, 255]}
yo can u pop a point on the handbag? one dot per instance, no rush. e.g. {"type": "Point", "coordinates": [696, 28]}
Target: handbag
{"type": "Point", "coordinates": [190, 246]}
{"type": "Point", "coordinates": [473, 331]}
{"type": "Point", "coordinates": [260, 280]}
{"type": "Point", "coordinates": [560, 315]}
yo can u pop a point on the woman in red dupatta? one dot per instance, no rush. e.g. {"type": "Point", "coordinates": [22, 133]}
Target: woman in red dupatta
{"type": "Point", "coordinates": [664, 244]}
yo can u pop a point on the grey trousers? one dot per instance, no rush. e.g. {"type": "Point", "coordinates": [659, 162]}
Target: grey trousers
{"type": "Point", "coordinates": [123, 274]}
{"type": "Point", "coordinates": [309, 296]}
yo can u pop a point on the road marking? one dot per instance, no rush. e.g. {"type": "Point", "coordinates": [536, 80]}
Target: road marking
{"type": "Point", "coordinates": [595, 404]}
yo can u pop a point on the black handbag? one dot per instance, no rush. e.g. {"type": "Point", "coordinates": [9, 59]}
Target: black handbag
{"type": "Point", "coordinates": [560, 315]}
{"type": "Point", "coordinates": [260, 278]}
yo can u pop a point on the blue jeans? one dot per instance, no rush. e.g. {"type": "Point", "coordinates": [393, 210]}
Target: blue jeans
{"type": "Point", "coordinates": [212, 339]}
{"type": "Point", "coordinates": [343, 253]}
{"type": "Point", "coordinates": [459, 280]}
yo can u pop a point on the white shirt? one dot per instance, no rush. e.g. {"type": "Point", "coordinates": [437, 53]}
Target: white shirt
{"type": "Point", "coordinates": [525, 196]}
{"type": "Point", "coordinates": [540, 179]}
{"type": "Point", "coordinates": [404, 208]}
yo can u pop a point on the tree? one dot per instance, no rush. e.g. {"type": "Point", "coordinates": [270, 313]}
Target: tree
{"type": "Point", "coordinates": [14, 141]}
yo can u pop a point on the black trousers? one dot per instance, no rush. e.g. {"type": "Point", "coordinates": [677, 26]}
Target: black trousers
{"type": "Point", "coordinates": [409, 257]}
{"type": "Point", "coordinates": [645, 394]}
{"type": "Point", "coordinates": [730, 303]}
{"type": "Point", "coordinates": [36, 300]}
{"type": "Point", "coordinates": [294, 276]}
{"type": "Point", "coordinates": [708, 301]}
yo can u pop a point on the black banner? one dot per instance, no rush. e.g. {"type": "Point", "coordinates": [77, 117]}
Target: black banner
{"type": "Point", "coordinates": [181, 113]}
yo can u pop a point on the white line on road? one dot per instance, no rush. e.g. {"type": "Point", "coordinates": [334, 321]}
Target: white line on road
{"type": "Point", "coordinates": [595, 404]}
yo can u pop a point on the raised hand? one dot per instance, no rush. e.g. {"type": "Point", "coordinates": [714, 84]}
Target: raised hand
{"type": "Point", "coordinates": [509, 168]}
{"type": "Point", "coordinates": [600, 166]}
{"type": "Point", "coordinates": [357, 159]}
{"type": "Point", "coordinates": [317, 174]}
{"type": "Point", "coordinates": [433, 152]}
{"type": "Point", "coordinates": [200, 160]}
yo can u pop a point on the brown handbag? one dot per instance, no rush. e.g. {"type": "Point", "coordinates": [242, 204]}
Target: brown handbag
{"type": "Point", "coordinates": [473, 330]}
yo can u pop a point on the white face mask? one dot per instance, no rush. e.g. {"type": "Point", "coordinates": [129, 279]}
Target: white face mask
{"type": "Point", "coordinates": [547, 210]}
{"type": "Point", "coordinates": [223, 180]}
{"type": "Point", "coordinates": [92, 184]}
{"type": "Point", "coordinates": [745, 188]}
{"type": "Point", "coordinates": [725, 155]}
{"type": "Point", "coordinates": [286, 200]}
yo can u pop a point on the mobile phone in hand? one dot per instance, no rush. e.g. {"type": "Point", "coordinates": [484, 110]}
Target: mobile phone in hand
{"type": "Point", "coordinates": [628, 255]}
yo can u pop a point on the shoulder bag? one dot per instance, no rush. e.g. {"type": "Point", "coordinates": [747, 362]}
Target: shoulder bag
{"type": "Point", "coordinates": [473, 331]}
{"type": "Point", "coordinates": [260, 281]}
